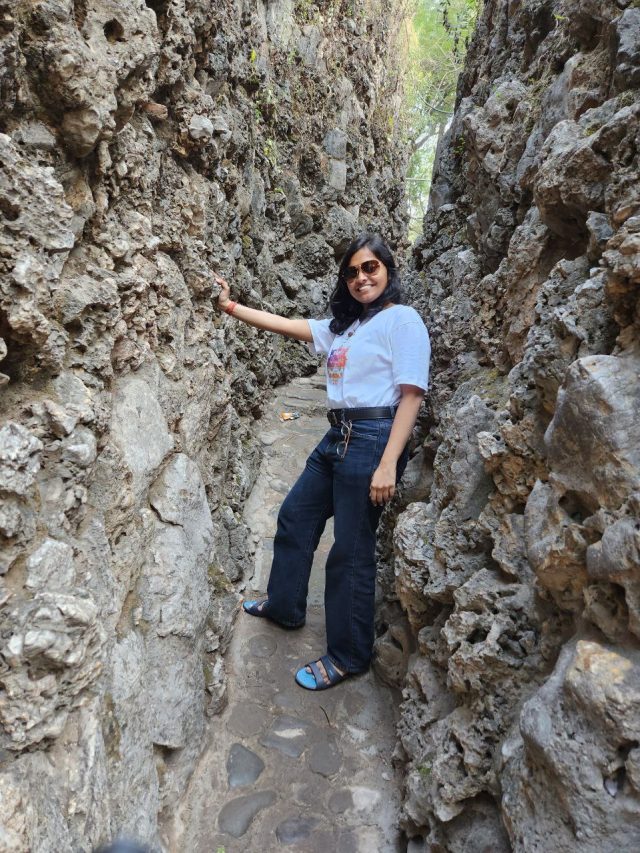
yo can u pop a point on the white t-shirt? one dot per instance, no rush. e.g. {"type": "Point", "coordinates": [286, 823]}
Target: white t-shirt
{"type": "Point", "coordinates": [369, 361]}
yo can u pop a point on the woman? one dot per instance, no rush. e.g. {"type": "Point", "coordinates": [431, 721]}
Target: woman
{"type": "Point", "coordinates": [377, 371]}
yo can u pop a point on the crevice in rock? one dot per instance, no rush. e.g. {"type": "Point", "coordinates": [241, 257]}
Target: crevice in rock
{"type": "Point", "coordinates": [159, 6]}
{"type": "Point", "coordinates": [113, 31]}
{"type": "Point", "coordinates": [9, 210]}
{"type": "Point", "coordinates": [79, 12]}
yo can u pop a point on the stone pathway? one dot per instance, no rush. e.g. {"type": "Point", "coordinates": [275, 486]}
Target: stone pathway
{"type": "Point", "coordinates": [288, 768]}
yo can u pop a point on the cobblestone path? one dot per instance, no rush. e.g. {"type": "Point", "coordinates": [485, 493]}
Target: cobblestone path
{"type": "Point", "coordinates": [287, 768]}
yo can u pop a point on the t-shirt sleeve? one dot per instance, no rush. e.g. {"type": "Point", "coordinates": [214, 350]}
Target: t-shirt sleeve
{"type": "Point", "coordinates": [322, 337]}
{"type": "Point", "coordinates": [411, 351]}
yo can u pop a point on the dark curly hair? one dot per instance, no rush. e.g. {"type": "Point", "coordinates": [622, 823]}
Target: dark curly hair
{"type": "Point", "coordinates": [344, 307]}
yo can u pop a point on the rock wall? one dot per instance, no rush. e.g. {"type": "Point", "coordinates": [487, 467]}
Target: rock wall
{"type": "Point", "coordinates": [518, 565]}
{"type": "Point", "coordinates": [145, 145]}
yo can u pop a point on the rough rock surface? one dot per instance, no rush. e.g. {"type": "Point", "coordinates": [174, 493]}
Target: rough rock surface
{"type": "Point", "coordinates": [144, 145]}
{"type": "Point", "coordinates": [518, 569]}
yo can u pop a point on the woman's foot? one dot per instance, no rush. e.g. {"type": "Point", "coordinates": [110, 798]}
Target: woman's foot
{"type": "Point", "coordinates": [320, 674]}
{"type": "Point", "coordinates": [260, 607]}
{"type": "Point", "coordinates": [255, 608]}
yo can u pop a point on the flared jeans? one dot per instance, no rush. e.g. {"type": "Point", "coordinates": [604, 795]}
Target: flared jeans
{"type": "Point", "coordinates": [335, 482]}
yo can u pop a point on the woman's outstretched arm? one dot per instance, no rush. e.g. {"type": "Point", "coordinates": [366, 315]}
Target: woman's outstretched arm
{"type": "Point", "coordinates": [383, 482]}
{"type": "Point", "coordinates": [292, 328]}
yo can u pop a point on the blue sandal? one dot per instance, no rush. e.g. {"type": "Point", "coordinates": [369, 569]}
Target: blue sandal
{"type": "Point", "coordinates": [259, 607]}
{"type": "Point", "coordinates": [315, 680]}
{"type": "Point", "coordinates": [255, 608]}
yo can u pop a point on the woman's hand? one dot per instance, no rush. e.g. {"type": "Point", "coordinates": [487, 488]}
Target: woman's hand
{"type": "Point", "coordinates": [383, 484]}
{"type": "Point", "coordinates": [223, 296]}
{"type": "Point", "coordinates": [299, 329]}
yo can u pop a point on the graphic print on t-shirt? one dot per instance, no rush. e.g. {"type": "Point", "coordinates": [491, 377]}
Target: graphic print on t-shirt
{"type": "Point", "coordinates": [336, 364]}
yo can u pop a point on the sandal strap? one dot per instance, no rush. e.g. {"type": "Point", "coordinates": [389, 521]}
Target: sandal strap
{"type": "Point", "coordinates": [317, 674]}
{"type": "Point", "coordinates": [256, 607]}
{"type": "Point", "coordinates": [329, 678]}
{"type": "Point", "coordinates": [332, 673]}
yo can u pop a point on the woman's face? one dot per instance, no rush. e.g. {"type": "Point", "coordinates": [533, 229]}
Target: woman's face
{"type": "Point", "coordinates": [366, 287]}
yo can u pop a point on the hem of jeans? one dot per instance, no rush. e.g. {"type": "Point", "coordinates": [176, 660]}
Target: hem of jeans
{"type": "Point", "coordinates": [289, 624]}
{"type": "Point", "coordinates": [346, 669]}
{"type": "Point", "coordinates": [284, 624]}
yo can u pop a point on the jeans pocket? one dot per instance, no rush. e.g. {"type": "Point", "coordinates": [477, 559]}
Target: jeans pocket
{"type": "Point", "coordinates": [372, 430]}
{"type": "Point", "coordinates": [367, 436]}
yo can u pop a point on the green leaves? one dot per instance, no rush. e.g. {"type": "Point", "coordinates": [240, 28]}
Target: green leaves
{"type": "Point", "coordinates": [437, 37]}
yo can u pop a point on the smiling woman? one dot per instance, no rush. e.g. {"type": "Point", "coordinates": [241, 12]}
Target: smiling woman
{"type": "Point", "coordinates": [367, 278]}
{"type": "Point", "coordinates": [377, 373]}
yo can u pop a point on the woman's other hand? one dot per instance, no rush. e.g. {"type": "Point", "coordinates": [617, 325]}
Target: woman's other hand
{"type": "Point", "coordinates": [225, 292]}
{"type": "Point", "coordinates": [383, 484]}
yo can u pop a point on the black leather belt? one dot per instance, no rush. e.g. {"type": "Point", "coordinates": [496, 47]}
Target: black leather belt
{"type": "Point", "coordinates": [336, 416]}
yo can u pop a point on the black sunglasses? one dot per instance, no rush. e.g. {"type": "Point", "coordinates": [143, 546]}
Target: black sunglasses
{"type": "Point", "coordinates": [368, 267]}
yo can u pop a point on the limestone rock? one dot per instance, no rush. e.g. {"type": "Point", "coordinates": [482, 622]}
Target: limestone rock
{"type": "Point", "coordinates": [627, 70]}
{"type": "Point", "coordinates": [518, 569]}
{"type": "Point", "coordinates": [580, 730]}
{"type": "Point", "coordinates": [51, 567]}
{"type": "Point", "coordinates": [53, 657]}
{"type": "Point", "coordinates": [556, 546]}
{"type": "Point", "coordinates": [146, 149]}
{"type": "Point", "coordinates": [200, 127]}
{"type": "Point", "coordinates": [596, 419]}
{"type": "Point", "coordinates": [139, 430]}
{"type": "Point", "coordinates": [19, 458]}
{"type": "Point", "coordinates": [615, 560]}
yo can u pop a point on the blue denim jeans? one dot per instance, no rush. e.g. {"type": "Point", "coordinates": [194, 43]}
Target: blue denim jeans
{"type": "Point", "coordinates": [333, 484]}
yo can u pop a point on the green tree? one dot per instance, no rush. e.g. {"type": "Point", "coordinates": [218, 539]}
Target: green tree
{"type": "Point", "coordinates": [438, 32]}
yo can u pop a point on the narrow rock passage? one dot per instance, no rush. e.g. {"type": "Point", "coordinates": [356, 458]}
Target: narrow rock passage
{"type": "Point", "coordinates": [285, 767]}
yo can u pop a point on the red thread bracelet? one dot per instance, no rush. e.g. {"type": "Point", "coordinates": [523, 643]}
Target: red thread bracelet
{"type": "Point", "coordinates": [229, 308]}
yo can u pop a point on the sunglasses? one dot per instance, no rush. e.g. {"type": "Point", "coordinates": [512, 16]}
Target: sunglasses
{"type": "Point", "coordinates": [345, 432]}
{"type": "Point", "coordinates": [368, 267]}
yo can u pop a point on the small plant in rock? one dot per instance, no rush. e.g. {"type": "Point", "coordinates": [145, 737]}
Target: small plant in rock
{"type": "Point", "coordinates": [628, 97]}
{"type": "Point", "coordinates": [219, 580]}
{"type": "Point", "coordinates": [266, 103]}
{"type": "Point", "coordinates": [270, 151]}
{"type": "Point", "coordinates": [460, 145]}
{"type": "Point", "coordinates": [306, 12]}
